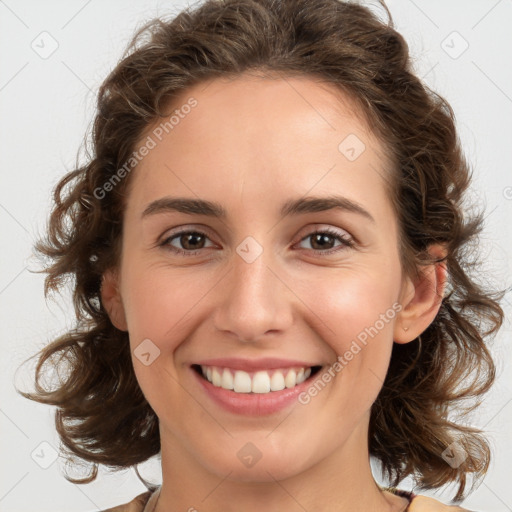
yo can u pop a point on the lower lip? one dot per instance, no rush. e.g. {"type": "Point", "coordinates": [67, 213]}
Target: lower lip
{"type": "Point", "coordinates": [252, 404]}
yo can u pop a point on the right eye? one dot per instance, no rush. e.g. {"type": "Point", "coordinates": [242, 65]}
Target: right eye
{"type": "Point", "coordinates": [191, 242]}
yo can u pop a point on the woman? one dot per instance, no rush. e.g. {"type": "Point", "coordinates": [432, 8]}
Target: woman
{"type": "Point", "coordinates": [270, 258]}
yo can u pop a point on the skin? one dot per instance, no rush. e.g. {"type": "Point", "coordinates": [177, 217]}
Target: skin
{"type": "Point", "coordinates": [250, 144]}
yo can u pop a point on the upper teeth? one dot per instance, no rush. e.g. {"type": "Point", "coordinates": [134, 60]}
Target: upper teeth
{"type": "Point", "coordinates": [258, 382]}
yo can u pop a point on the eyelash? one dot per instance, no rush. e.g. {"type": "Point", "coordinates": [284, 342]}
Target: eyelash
{"type": "Point", "coordinates": [346, 243]}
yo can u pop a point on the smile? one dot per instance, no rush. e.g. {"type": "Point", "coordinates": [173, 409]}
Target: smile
{"type": "Point", "coordinates": [263, 381]}
{"type": "Point", "coordinates": [253, 387]}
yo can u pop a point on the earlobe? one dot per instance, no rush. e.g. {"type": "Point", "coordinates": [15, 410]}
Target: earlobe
{"type": "Point", "coordinates": [422, 299]}
{"type": "Point", "coordinates": [111, 300]}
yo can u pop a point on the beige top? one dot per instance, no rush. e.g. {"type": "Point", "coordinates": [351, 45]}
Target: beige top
{"type": "Point", "coordinates": [146, 502]}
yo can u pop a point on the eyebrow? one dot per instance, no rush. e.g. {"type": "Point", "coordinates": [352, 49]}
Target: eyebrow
{"type": "Point", "coordinates": [290, 207]}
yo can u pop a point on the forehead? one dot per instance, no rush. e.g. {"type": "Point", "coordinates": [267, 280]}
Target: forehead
{"type": "Point", "coordinates": [263, 137]}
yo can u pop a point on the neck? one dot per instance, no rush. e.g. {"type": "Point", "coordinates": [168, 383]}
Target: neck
{"type": "Point", "coordinates": [341, 482]}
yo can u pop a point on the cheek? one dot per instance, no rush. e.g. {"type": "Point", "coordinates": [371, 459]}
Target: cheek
{"type": "Point", "coordinates": [354, 303]}
{"type": "Point", "coordinates": [358, 317]}
{"type": "Point", "coordinates": [158, 305]}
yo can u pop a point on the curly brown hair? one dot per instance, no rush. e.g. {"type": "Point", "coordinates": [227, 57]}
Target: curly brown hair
{"type": "Point", "coordinates": [101, 415]}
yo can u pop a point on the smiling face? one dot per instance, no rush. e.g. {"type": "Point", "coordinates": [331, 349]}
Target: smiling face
{"type": "Point", "coordinates": [250, 288]}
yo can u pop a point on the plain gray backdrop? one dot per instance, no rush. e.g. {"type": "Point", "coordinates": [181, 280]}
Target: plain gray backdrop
{"type": "Point", "coordinates": [55, 54]}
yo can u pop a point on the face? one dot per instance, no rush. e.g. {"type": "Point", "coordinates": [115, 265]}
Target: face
{"type": "Point", "coordinates": [257, 295]}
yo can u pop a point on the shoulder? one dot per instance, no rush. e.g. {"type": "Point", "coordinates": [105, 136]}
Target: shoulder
{"type": "Point", "coordinates": [136, 505]}
{"type": "Point", "coordinates": [426, 504]}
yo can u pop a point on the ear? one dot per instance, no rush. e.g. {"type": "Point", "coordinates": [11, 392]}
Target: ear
{"type": "Point", "coordinates": [421, 298]}
{"type": "Point", "coordinates": [111, 299]}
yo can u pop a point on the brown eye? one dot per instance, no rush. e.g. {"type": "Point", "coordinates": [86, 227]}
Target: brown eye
{"type": "Point", "coordinates": [324, 240]}
{"type": "Point", "coordinates": [186, 242]}
{"type": "Point", "coordinates": [191, 241]}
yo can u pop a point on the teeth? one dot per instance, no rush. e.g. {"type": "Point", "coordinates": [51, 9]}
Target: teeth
{"type": "Point", "coordinates": [227, 380]}
{"type": "Point", "coordinates": [216, 377]}
{"type": "Point", "coordinates": [277, 381]}
{"type": "Point", "coordinates": [291, 379]}
{"type": "Point", "coordinates": [242, 382]}
{"type": "Point", "coordinates": [260, 382]}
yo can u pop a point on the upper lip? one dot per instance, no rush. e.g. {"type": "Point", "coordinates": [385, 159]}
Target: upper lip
{"type": "Point", "coordinates": [266, 363]}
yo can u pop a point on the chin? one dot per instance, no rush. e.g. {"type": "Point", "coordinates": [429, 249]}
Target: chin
{"type": "Point", "coordinates": [258, 461]}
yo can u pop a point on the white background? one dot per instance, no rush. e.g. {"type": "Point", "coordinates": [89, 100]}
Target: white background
{"type": "Point", "coordinates": [46, 106]}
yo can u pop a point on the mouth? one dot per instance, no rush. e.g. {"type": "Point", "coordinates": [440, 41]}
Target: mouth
{"type": "Point", "coordinates": [260, 382]}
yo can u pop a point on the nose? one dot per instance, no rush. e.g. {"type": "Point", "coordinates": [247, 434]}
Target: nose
{"type": "Point", "coordinates": [254, 300]}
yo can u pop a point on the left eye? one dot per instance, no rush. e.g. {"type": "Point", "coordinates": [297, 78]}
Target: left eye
{"type": "Point", "coordinates": [322, 241]}
{"type": "Point", "coordinates": [325, 237]}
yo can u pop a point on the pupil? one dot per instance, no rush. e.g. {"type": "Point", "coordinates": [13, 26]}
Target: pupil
{"type": "Point", "coordinates": [322, 239]}
{"type": "Point", "coordinates": [185, 240]}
